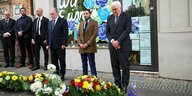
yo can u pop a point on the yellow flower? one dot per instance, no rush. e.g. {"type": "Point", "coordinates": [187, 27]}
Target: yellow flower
{"type": "Point", "coordinates": [30, 78]}
{"type": "Point", "coordinates": [7, 78]}
{"type": "Point", "coordinates": [5, 72]}
{"type": "Point", "coordinates": [1, 74]}
{"type": "Point", "coordinates": [1, 79]}
{"type": "Point", "coordinates": [77, 80]}
{"type": "Point", "coordinates": [24, 78]}
{"type": "Point", "coordinates": [92, 79]}
{"type": "Point", "coordinates": [85, 84]}
{"type": "Point", "coordinates": [37, 75]}
{"type": "Point", "coordinates": [11, 73]}
{"type": "Point", "coordinates": [41, 78]}
{"type": "Point", "coordinates": [84, 76]}
{"type": "Point", "coordinates": [98, 87]}
{"type": "Point", "coordinates": [14, 78]}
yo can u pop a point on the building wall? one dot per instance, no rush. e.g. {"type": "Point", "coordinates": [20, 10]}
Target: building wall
{"type": "Point", "coordinates": [175, 38]}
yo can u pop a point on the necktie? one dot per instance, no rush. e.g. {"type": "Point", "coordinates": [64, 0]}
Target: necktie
{"type": "Point", "coordinates": [37, 26]}
{"type": "Point", "coordinates": [86, 24]}
{"type": "Point", "coordinates": [53, 24]}
{"type": "Point", "coordinates": [6, 22]}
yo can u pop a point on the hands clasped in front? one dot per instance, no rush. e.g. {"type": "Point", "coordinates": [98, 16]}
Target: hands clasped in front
{"type": "Point", "coordinates": [115, 44]}
{"type": "Point", "coordinates": [83, 46]}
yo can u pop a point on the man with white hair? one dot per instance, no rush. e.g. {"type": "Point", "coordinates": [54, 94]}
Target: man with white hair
{"type": "Point", "coordinates": [8, 39]}
{"type": "Point", "coordinates": [118, 29]}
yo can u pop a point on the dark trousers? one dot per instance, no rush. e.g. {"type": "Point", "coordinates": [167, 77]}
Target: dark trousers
{"type": "Point", "coordinates": [120, 59]}
{"type": "Point", "coordinates": [58, 54]}
{"type": "Point", "coordinates": [91, 57]}
{"type": "Point", "coordinates": [9, 50]}
{"type": "Point", "coordinates": [25, 44]}
{"type": "Point", "coordinates": [39, 42]}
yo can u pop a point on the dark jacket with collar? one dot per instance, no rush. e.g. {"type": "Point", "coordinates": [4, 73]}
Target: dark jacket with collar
{"type": "Point", "coordinates": [7, 28]}
{"type": "Point", "coordinates": [58, 35]}
{"type": "Point", "coordinates": [43, 28]}
{"type": "Point", "coordinates": [119, 31]}
{"type": "Point", "coordinates": [24, 24]}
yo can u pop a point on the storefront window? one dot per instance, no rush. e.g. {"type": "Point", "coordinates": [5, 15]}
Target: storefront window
{"type": "Point", "coordinates": [141, 31]}
{"type": "Point", "coordinates": [101, 9]}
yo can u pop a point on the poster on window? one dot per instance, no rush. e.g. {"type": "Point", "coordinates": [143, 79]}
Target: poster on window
{"type": "Point", "coordinates": [135, 45]}
{"type": "Point", "coordinates": [145, 57]}
{"type": "Point", "coordinates": [145, 41]}
{"type": "Point", "coordinates": [144, 23]}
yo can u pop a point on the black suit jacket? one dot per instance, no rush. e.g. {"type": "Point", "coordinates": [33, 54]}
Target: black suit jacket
{"type": "Point", "coordinates": [10, 28]}
{"type": "Point", "coordinates": [58, 35]}
{"type": "Point", "coordinates": [119, 31]}
{"type": "Point", "coordinates": [43, 28]}
{"type": "Point", "coordinates": [26, 26]}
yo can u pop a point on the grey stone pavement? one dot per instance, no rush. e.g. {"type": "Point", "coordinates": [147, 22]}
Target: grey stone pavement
{"type": "Point", "coordinates": [145, 86]}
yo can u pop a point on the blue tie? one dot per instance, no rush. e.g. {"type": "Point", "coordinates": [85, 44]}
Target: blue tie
{"type": "Point", "coordinates": [86, 24]}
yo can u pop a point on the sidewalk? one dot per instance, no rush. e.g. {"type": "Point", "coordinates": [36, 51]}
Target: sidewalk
{"type": "Point", "coordinates": [145, 86]}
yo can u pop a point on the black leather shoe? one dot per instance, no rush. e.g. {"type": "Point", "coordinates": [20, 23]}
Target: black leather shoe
{"type": "Point", "coordinates": [35, 68]}
{"type": "Point", "coordinates": [45, 68]}
{"type": "Point", "coordinates": [124, 89]}
{"type": "Point", "coordinates": [62, 77]}
{"type": "Point", "coordinates": [12, 65]}
{"type": "Point", "coordinates": [20, 65]}
{"type": "Point", "coordinates": [7, 65]}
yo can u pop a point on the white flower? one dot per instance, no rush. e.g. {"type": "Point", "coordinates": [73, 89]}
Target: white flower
{"type": "Point", "coordinates": [37, 79]}
{"type": "Point", "coordinates": [51, 67]}
{"type": "Point", "coordinates": [47, 90]}
{"type": "Point", "coordinates": [63, 88]}
{"type": "Point", "coordinates": [36, 86]}
{"type": "Point", "coordinates": [57, 93]}
{"type": "Point", "coordinates": [54, 76]}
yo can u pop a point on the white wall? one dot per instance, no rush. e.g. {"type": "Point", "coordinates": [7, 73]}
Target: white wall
{"type": "Point", "coordinates": [73, 59]}
{"type": "Point", "coordinates": [175, 38]}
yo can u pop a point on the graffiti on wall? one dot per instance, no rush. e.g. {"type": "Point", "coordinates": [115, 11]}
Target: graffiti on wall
{"type": "Point", "coordinates": [72, 10]}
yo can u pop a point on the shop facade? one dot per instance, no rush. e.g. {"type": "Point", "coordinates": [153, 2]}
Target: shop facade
{"type": "Point", "coordinates": [161, 33]}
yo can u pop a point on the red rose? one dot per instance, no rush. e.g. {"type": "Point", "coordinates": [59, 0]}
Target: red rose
{"type": "Point", "coordinates": [95, 84]}
{"type": "Point", "coordinates": [80, 84]}
{"type": "Point", "coordinates": [72, 83]}
{"type": "Point", "coordinates": [46, 81]}
{"type": "Point", "coordinates": [108, 85]}
{"type": "Point", "coordinates": [86, 91]}
{"type": "Point", "coordinates": [88, 79]}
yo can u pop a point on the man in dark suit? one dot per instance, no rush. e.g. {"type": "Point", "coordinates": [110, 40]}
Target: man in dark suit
{"type": "Point", "coordinates": [57, 41]}
{"type": "Point", "coordinates": [23, 30]}
{"type": "Point", "coordinates": [8, 38]}
{"type": "Point", "coordinates": [87, 34]}
{"type": "Point", "coordinates": [118, 29]}
{"type": "Point", "coordinates": [39, 34]}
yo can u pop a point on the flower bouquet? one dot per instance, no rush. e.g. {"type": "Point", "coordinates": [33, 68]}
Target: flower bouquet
{"type": "Point", "coordinates": [13, 81]}
{"type": "Point", "coordinates": [92, 86]}
{"type": "Point", "coordinates": [48, 85]}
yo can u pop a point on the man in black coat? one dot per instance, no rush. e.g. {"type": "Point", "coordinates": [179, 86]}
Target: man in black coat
{"type": "Point", "coordinates": [57, 41]}
{"type": "Point", "coordinates": [118, 29]}
{"type": "Point", "coordinates": [23, 30]}
{"type": "Point", "coordinates": [39, 34]}
{"type": "Point", "coordinates": [8, 38]}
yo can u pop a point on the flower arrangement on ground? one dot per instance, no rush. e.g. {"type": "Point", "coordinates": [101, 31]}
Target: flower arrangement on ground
{"type": "Point", "coordinates": [92, 86]}
{"type": "Point", "coordinates": [48, 85]}
{"type": "Point", "coordinates": [13, 81]}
